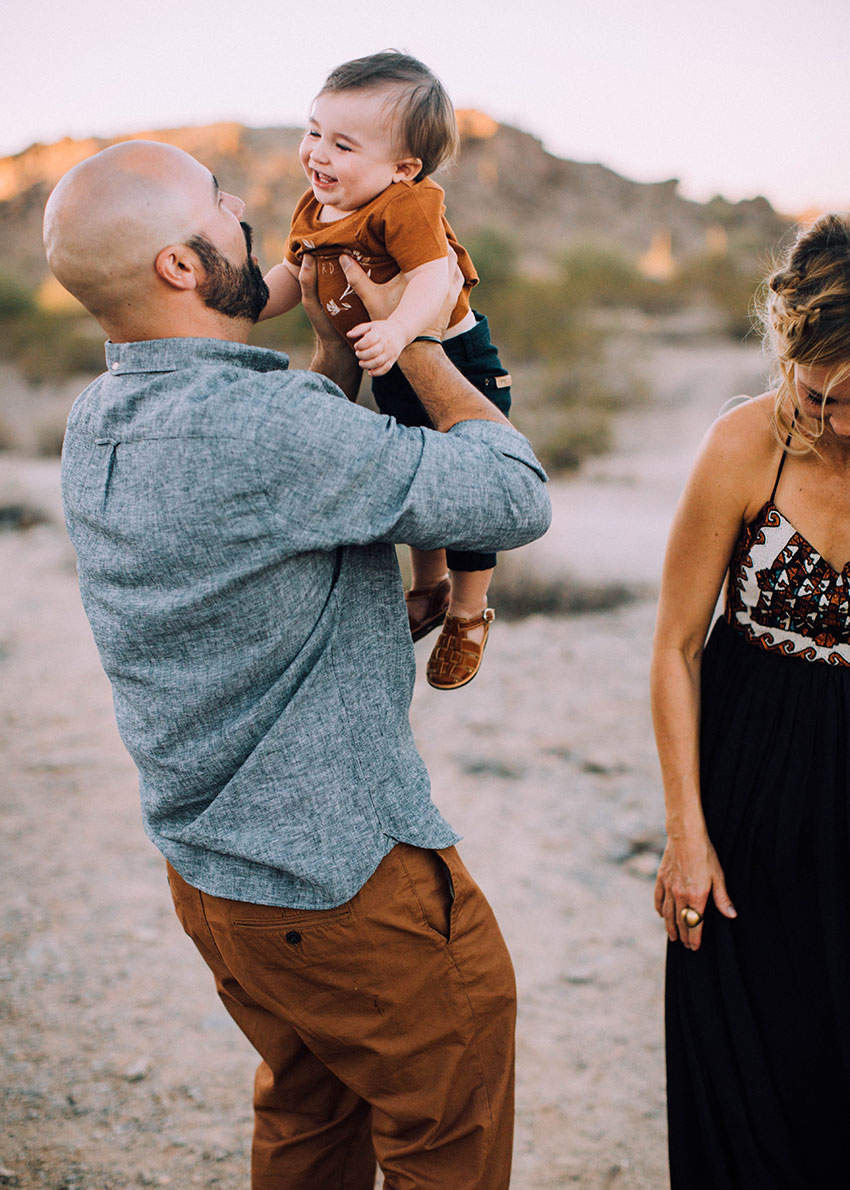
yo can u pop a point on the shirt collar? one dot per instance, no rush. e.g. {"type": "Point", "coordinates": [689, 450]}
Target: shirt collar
{"type": "Point", "coordinates": [169, 355]}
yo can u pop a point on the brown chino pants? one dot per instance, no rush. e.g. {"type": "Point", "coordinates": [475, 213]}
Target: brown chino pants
{"type": "Point", "coordinates": [386, 1027]}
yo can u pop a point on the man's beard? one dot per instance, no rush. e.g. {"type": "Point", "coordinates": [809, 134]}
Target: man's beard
{"type": "Point", "coordinates": [237, 292]}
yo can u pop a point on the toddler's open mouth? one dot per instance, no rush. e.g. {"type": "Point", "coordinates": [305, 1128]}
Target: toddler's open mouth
{"type": "Point", "coordinates": [323, 179]}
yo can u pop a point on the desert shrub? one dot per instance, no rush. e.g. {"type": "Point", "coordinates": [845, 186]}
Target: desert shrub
{"type": "Point", "coordinates": [599, 275]}
{"type": "Point", "coordinates": [8, 437]}
{"type": "Point", "coordinates": [49, 436]}
{"type": "Point", "coordinates": [46, 344]}
{"type": "Point", "coordinates": [15, 300]}
{"type": "Point", "coordinates": [517, 593]}
{"type": "Point", "coordinates": [563, 441]}
{"type": "Point", "coordinates": [18, 517]}
{"type": "Point", "coordinates": [569, 419]}
{"type": "Point", "coordinates": [717, 279]}
{"type": "Point", "coordinates": [288, 331]}
{"type": "Point", "coordinates": [529, 318]}
{"type": "Point", "coordinates": [49, 346]}
{"type": "Point", "coordinates": [495, 256]}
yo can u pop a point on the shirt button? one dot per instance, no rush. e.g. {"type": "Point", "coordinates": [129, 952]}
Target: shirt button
{"type": "Point", "coordinates": [115, 367]}
{"type": "Point", "coordinates": [293, 937]}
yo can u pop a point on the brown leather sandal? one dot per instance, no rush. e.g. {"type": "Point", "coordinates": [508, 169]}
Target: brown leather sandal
{"type": "Point", "coordinates": [435, 612]}
{"type": "Point", "coordinates": [455, 659]}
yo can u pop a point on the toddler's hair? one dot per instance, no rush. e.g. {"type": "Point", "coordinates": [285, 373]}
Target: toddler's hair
{"type": "Point", "coordinates": [806, 319]}
{"type": "Point", "coordinates": [423, 117]}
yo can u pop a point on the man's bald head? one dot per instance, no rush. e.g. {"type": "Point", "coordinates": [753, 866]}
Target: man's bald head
{"type": "Point", "coordinates": [108, 219]}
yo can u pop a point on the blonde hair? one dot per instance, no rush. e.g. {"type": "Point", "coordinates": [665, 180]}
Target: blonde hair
{"type": "Point", "coordinates": [805, 315]}
{"type": "Point", "coordinates": [423, 118]}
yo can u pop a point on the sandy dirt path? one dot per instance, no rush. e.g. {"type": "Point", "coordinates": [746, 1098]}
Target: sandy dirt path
{"type": "Point", "coordinates": [119, 1067]}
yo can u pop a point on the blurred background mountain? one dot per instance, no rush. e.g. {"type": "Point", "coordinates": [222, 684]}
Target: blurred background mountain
{"type": "Point", "coordinates": [573, 259]}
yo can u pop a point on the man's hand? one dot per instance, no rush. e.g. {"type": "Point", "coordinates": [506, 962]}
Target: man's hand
{"type": "Point", "coordinates": [322, 325]}
{"type": "Point", "coordinates": [332, 355]}
{"type": "Point", "coordinates": [379, 345]}
{"type": "Point", "coordinates": [381, 300]}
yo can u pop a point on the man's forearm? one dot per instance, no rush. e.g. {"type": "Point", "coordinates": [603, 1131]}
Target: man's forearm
{"type": "Point", "coordinates": [339, 364]}
{"type": "Point", "coordinates": [446, 395]}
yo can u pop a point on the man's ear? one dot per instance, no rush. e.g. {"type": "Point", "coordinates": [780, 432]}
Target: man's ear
{"type": "Point", "coordinates": [178, 266]}
{"type": "Point", "coordinates": [408, 169]}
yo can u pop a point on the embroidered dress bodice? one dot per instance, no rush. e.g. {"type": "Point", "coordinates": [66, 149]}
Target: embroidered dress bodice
{"type": "Point", "coordinates": [784, 597]}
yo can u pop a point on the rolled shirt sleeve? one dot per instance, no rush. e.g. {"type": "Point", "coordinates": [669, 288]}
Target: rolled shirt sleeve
{"type": "Point", "coordinates": [350, 477]}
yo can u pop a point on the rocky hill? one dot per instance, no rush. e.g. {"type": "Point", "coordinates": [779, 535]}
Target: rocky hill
{"type": "Point", "coordinates": [504, 181]}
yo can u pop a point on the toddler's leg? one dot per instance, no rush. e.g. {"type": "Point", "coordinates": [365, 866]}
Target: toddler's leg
{"type": "Point", "coordinates": [456, 657]}
{"type": "Point", "coordinates": [428, 598]}
{"type": "Point", "coordinates": [427, 567]}
{"type": "Point", "coordinates": [469, 596]}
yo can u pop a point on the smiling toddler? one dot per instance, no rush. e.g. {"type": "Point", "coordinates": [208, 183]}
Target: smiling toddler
{"type": "Point", "coordinates": [378, 129]}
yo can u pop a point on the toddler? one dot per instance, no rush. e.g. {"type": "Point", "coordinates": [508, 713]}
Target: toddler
{"type": "Point", "coordinates": [378, 129]}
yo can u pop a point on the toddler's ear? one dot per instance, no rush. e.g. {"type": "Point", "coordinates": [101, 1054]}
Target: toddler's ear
{"type": "Point", "coordinates": [408, 169]}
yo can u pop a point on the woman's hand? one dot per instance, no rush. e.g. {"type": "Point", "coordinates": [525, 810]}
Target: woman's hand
{"type": "Point", "coordinates": [689, 872]}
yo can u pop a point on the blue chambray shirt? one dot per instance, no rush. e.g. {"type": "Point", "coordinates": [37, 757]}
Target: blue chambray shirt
{"type": "Point", "coordinates": [234, 525]}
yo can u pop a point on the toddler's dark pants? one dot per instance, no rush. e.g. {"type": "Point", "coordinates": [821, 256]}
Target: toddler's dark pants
{"type": "Point", "coordinates": [476, 358]}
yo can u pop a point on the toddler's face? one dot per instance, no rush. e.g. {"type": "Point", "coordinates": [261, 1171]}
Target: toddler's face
{"type": "Point", "coordinates": [347, 151]}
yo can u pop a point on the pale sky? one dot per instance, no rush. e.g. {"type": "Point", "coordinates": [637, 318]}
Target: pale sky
{"type": "Point", "coordinates": [739, 97]}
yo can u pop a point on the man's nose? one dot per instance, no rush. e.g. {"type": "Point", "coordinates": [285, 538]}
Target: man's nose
{"type": "Point", "coordinates": [233, 204]}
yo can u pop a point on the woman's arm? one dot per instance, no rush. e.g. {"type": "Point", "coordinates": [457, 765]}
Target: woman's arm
{"type": "Point", "coordinates": [380, 343]}
{"type": "Point", "coordinates": [729, 483]}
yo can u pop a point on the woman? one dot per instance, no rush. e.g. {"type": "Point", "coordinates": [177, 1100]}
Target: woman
{"type": "Point", "coordinates": [753, 732]}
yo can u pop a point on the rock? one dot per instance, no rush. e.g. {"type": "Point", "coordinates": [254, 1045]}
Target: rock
{"type": "Point", "coordinates": [137, 1070]}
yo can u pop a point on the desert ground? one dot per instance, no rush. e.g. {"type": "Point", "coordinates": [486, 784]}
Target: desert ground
{"type": "Point", "coordinates": [119, 1066]}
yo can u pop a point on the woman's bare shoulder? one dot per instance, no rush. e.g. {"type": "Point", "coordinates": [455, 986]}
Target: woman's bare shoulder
{"type": "Point", "coordinates": [746, 433]}
{"type": "Point", "coordinates": [741, 452]}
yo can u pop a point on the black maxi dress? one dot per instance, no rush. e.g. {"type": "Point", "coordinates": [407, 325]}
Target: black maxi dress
{"type": "Point", "coordinates": [758, 1019]}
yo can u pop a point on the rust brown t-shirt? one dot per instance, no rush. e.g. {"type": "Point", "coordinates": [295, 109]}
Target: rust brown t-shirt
{"type": "Point", "coordinates": [404, 227]}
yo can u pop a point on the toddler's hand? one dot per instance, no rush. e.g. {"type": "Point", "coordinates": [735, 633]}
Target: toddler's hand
{"type": "Point", "coordinates": [378, 345]}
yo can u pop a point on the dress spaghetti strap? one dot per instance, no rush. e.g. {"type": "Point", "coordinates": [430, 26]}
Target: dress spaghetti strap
{"type": "Point", "coordinates": [784, 457]}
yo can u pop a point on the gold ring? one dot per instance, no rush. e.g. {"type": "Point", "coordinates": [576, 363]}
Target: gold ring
{"type": "Point", "coordinates": [691, 917]}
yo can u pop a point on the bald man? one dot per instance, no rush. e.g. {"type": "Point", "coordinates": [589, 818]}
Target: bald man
{"type": "Point", "coordinates": [235, 523]}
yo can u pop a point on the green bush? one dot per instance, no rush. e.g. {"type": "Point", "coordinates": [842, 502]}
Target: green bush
{"type": "Point", "coordinates": [717, 280]}
{"type": "Point", "coordinates": [51, 346]}
{"type": "Point", "coordinates": [495, 257]}
{"type": "Point", "coordinates": [282, 334]}
{"type": "Point", "coordinates": [45, 344]}
{"type": "Point", "coordinates": [15, 300]}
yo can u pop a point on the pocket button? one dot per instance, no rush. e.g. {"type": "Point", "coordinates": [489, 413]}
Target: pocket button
{"type": "Point", "coordinates": [293, 937]}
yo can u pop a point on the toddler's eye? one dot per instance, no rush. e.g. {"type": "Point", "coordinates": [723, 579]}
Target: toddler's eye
{"type": "Point", "coordinates": [344, 148]}
{"type": "Point", "coordinates": [313, 133]}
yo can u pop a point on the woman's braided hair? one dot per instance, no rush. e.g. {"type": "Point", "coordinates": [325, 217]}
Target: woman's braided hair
{"type": "Point", "coordinates": [806, 319]}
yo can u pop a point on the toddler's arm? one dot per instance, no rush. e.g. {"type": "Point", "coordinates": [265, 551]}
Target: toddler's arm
{"type": "Point", "coordinates": [379, 344]}
{"type": "Point", "coordinates": [284, 290]}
